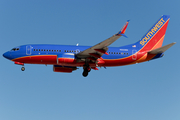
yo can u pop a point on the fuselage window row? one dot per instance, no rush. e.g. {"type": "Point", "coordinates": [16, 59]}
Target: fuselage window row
{"type": "Point", "coordinates": [120, 53]}
{"type": "Point", "coordinates": [70, 51]}
{"type": "Point", "coordinates": [53, 50]}
{"type": "Point", "coordinates": [46, 50]}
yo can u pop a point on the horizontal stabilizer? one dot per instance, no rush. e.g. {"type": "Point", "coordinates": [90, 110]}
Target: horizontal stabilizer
{"type": "Point", "coordinates": [161, 49]}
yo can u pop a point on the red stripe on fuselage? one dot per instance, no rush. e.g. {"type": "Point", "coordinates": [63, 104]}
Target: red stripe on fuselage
{"type": "Point", "coordinates": [49, 60]}
{"type": "Point", "coordinates": [38, 59]}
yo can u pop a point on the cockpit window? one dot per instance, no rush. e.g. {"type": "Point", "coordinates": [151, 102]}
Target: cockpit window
{"type": "Point", "coordinates": [15, 49]}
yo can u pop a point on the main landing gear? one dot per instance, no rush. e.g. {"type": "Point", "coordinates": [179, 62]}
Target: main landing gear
{"type": "Point", "coordinates": [87, 69]}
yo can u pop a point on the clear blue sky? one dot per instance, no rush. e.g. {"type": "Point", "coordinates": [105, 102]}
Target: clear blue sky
{"type": "Point", "coordinates": [146, 91]}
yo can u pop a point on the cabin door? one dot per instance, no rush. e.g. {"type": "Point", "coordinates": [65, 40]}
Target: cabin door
{"type": "Point", "coordinates": [134, 54]}
{"type": "Point", "coordinates": [28, 50]}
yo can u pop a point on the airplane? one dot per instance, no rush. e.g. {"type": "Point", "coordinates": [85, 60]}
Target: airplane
{"type": "Point", "coordinates": [67, 58]}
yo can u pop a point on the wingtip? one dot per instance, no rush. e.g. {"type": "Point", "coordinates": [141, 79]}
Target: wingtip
{"type": "Point", "coordinates": [173, 43]}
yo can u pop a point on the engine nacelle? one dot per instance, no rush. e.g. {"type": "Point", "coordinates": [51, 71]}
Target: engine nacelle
{"type": "Point", "coordinates": [65, 69]}
{"type": "Point", "coordinates": [65, 58]}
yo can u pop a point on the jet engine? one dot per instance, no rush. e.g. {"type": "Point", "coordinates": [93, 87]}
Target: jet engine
{"type": "Point", "coordinates": [65, 58]}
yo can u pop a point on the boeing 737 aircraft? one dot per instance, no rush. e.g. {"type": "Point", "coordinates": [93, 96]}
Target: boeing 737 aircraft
{"type": "Point", "coordinates": [66, 58]}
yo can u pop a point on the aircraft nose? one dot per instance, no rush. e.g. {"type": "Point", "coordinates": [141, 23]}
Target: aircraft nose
{"type": "Point", "coordinates": [6, 55]}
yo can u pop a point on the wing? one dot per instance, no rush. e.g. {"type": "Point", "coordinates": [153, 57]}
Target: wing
{"type": "Point", "coordinates": [96, 51]}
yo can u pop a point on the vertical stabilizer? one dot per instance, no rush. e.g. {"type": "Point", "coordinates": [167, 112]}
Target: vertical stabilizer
{"type": "Point", "coordinates": [153, 39]}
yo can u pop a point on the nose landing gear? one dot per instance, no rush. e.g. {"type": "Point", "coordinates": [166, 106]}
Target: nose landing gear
{"type": "Point", "coordinates": [23, 68]}
{"type": "Point", "coordinates": [19, 63]}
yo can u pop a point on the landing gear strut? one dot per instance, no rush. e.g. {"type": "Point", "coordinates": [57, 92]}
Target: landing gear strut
{"type": "Point", "coordinates": [85, 73]}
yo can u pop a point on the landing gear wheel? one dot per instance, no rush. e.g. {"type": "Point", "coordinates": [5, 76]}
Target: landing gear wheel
{"type": "Point", "coordinates": [85, 73]}
{"type": "Point", "coordinates": [86, 68]}
{"type": "Point", "coordinates": [89, 69]}
{"type": "Point", "coordinates": [23, 68]}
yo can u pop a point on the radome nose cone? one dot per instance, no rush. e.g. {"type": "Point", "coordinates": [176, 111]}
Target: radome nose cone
{"type": "Point", "coordinates": [6, 55]}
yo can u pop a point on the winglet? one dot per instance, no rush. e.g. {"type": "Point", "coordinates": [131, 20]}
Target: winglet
{"type": "Point", "coordinates": [123, 30]}
{"type": "Point", "coordinates": [124, 35]}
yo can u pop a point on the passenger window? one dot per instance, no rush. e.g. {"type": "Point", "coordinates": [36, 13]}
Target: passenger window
{"type": "Point", "coordinates": [54, 50]}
